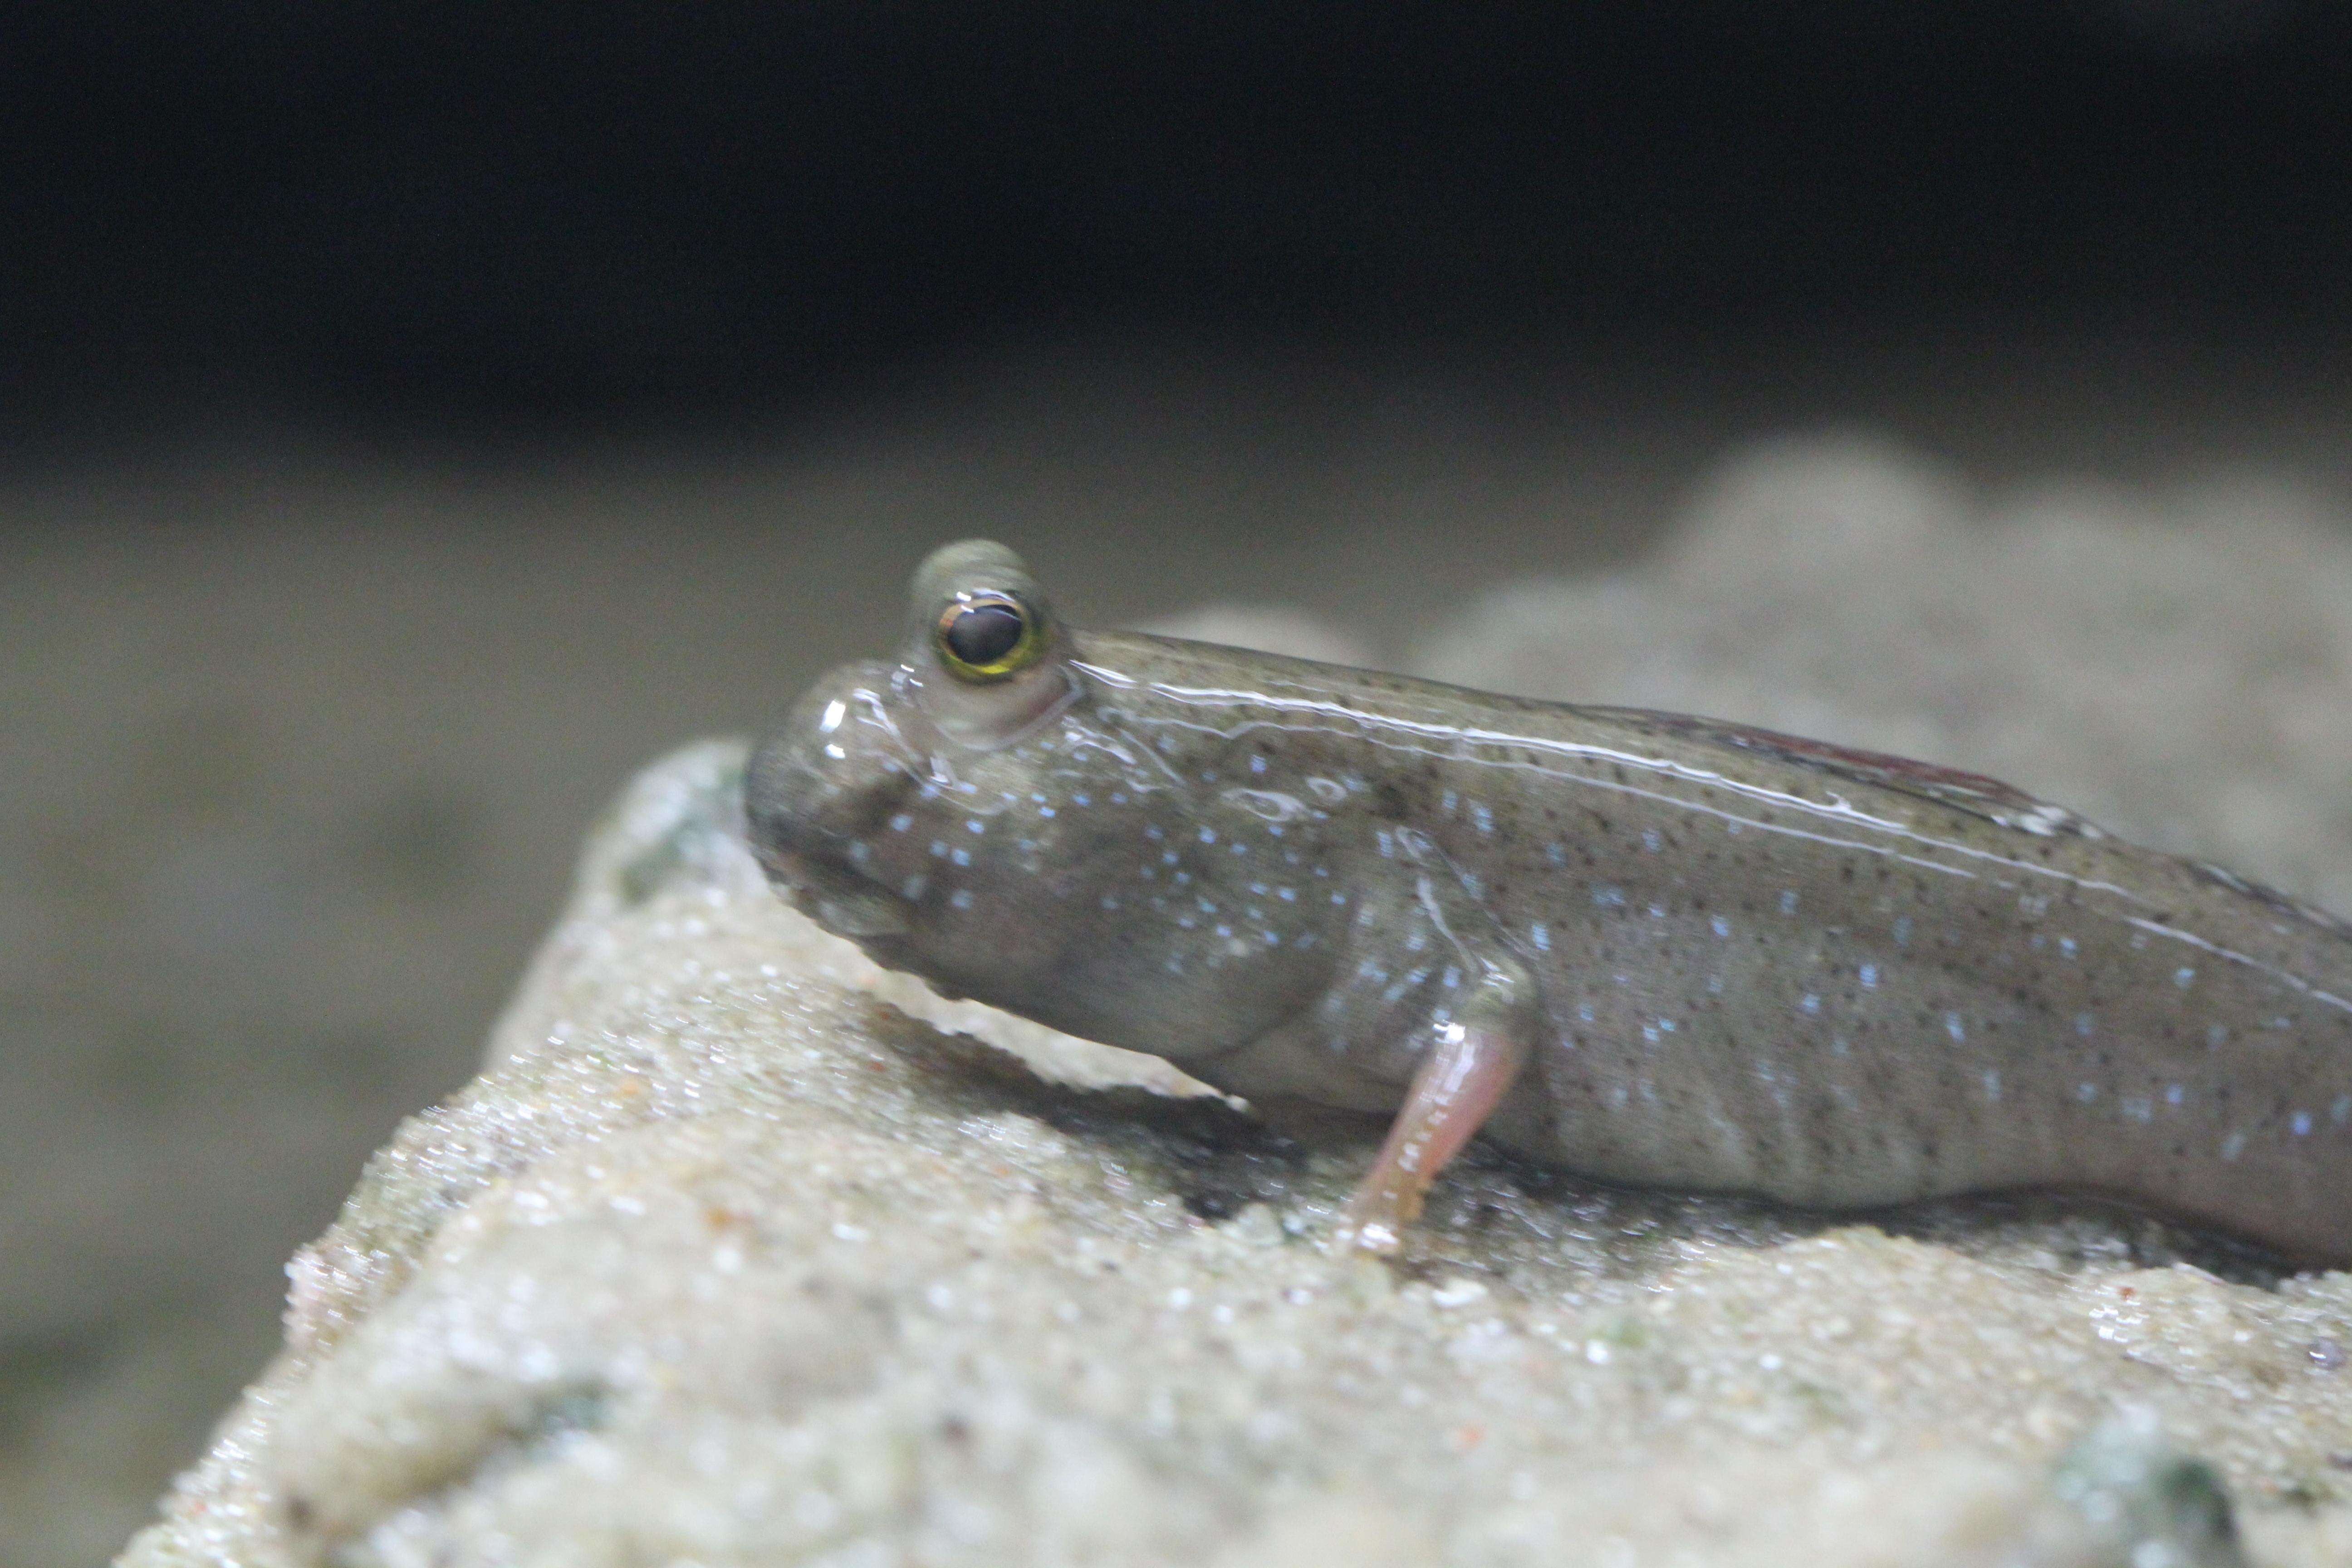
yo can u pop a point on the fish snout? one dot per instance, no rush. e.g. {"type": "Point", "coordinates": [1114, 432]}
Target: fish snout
{"type": "Point", "coordinates": [815, 791]}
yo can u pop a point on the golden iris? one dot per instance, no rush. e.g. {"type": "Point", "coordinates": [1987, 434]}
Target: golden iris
{"type": "Point", "coordinates": [987, 636]}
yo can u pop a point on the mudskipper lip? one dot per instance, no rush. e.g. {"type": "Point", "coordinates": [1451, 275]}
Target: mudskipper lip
{"type": "Point", "coordinates": [841, 901]}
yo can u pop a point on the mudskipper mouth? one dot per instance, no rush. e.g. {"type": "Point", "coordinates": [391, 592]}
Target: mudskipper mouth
{"type": "Point", "coordinates": [841, 901]}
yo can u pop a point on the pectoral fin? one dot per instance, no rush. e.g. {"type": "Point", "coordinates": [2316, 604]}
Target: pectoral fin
{"type": "Point", "coordinates": [1470, 1065]}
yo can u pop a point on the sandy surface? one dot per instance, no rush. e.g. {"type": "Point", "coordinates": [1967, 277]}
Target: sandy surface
{"type": "Point", "coordinates": [300, 743]}
{"type": "Point", "coordinates": [726, 1259]}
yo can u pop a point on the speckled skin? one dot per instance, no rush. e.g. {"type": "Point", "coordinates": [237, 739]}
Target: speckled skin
{"type": "Point", "coordinates": [1748, 963]}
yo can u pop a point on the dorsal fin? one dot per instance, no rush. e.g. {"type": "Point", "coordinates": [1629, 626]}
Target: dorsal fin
{"type": "Point", "coordinates": [1974, 794]}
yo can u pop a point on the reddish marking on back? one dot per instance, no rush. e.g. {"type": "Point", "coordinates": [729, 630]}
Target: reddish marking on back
{"type": "Point", "coordinates": [1930, 779]}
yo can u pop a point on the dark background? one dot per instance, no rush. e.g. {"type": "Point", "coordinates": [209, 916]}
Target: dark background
{"type": "Point", "coordinates": [467, 218]}
{"type": "Point", "coordinates": [413, 418]}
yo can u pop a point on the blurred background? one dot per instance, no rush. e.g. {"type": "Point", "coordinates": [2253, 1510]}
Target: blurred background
{"type": "Point", "coordinates": [417, 416]}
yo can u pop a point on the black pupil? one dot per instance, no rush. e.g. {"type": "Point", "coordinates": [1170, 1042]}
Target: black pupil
{"type": "Point", "coordinates": [984, 633]}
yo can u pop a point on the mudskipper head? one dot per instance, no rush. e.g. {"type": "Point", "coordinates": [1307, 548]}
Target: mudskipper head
{"type": "Point", "coordinates": [896, 804]}
{"type": "Point", "coordinates": [1046, 821]}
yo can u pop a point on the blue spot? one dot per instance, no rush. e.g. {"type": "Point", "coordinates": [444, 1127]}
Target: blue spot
{"type": "Point", "coordinates": [1208, 835]}
{"type": "Point", "coordinates": [1540, 937]}
{"type": "Point", "coordinates": [1789, 902]}
{"type": "Point", "coordinates": [2183, 976]}
{"type": "Point", "coordinates": [1080, 800]}
{"type": "Point", "coordinates": [1257, 764]}
{"type": "Point", "coordinates": [1953, 1027]}
{"type": "Point", "coordinates": [901, 823]}
{"type": "Point", "coordinates": [1902, 931]}
{"type": "Point", "coordinates": [938, 849]}
{"type": "Point", "coordinates": [1453, 977]}
{"type": "Point", "coordinates": [2083, 1022]}
{"type": "Point", "coordinates": [1809, 1003]}
{"type": "Point", "coordinates": [2086, 1092]}
{"type": "Point", "coordinates": [1720, 926]}
{"type": "Point", "coordinates": [1045, 811]}
{"type": "Point", "coordinates": [2174, 1094]}
{"type": "Point", "coordinates": [1869, 976]}
{"type": "Point", "coordinates": [960, 897]}
{"type": "Point", "coordinates": [2302, 1123]}
{"type": "Point", "coordinates": [974, 826]}
{"type": "Point", "coordinates": [961, 857]}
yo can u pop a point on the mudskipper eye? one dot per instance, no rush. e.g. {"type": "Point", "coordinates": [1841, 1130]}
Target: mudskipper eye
{"type": "Point", "coordinates": [987, 636]}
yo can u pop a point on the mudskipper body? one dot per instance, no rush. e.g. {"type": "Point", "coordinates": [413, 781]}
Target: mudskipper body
{"type": "Point", "coordinates": [1654, 948]}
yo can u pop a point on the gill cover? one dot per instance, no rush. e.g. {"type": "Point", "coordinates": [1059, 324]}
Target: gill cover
{"type": "Point", "coordinates": [984, 657]}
